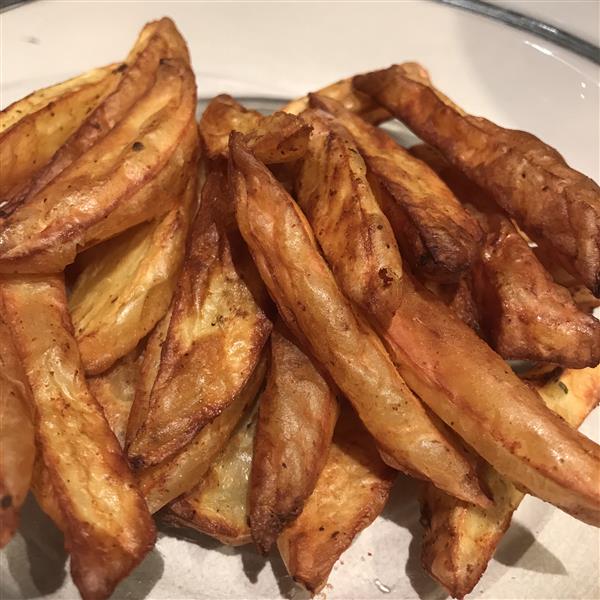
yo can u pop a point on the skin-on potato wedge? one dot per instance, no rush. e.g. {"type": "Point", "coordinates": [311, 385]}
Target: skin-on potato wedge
{"type": "Point", "coordinates": [215, 336]}
{"type": "Point", "coordinates": [181, 473]}
{"type": "Point", "coordinates": [524, 313]}
{"type": "Point", "coordinates": [297, 414]}
{"type": "Point", "coordinates": [351, 491]}
{"type": "Point", "coordinates": [114, 185]}
{"type": "Point", "coordinates": [127, 285]}
{"type": "Point", "coordinates": [277, 138]}
{"type": "Point", "coordinates": [30, 142]}
{"type": "Point", "coordinates": [218, 505]}
{"type": "Point", "coordinates": [108, 526]}
{"type": "Point", "coordinates": [310, 302]}
{"type": "Point", "coordinates": [524, 176]}
{"type": "Point", "coordinates": [443, 239]}
{"type": "Point", "coordinates": [158, 40]}
{"type": "Point", "coordinates": [115, 390]}
{"type": "Point", "coordinates": [17, 451]}
{"type": "Point", "coordinates": [460, 539]}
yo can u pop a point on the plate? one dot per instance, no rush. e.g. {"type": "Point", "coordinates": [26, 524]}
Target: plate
{"type": "Point", "coordinates": [282, 50]}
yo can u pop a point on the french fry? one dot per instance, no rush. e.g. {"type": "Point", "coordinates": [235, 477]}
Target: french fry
{"type": "Point", "coordinates": [127, 284]}
{"type": "Point", "coordinates": [108, 528]}
{"type": "Point", "coordinates": [17, 450]}
{"type": "Point", "coordinates": [297, 414]}
{"type": "Point", "coordinates": [218, 505]}
{"type": "Point", "coordinates": [179, 474]}
{"type": "Point", "coordinates": [525, 177]}
{"type": "Point", "coordinates": [309, 300]}
{"type": "Point", "coordinates": [435, 233]}
{"type": "Point", "coordinates": [460, 539]}
{"type": "Point", "coordinates": [215, 336]}
{"type": "Point", "coordinates": [351, 491]}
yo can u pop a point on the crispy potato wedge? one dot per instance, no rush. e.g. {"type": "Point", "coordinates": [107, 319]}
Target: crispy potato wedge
{"type": "Point", "coordinates": [215, 336]}
{"type": "Point", "coordinates": [108, 526]}
{"type": "Point", "coordinates": [150, 361]}
{"type": "Point", "coordinates": [42, 489]}
{"type": "Point", "coordinates": [353, 100]}
{"type": "Point", "coordinates": [114, 185]}
{"type": "Point", "coordinates": [127, 285]}
{"type": "Point", "coordinates": [351, 491]}
{"type": "Point", "coordinates": [277, 138]}
{"type": "Point", "coordinates": [31, 141]}
{"type": "Point", "coordinates": [533, 448]}
{"type": "Point", "coordinates": [157, 41]}
{"type": "Point", "coordinates": [435, 233]}
{"type": "Point", "coordinates": [526, 177]}
{"type": "Point", "coordinates": [115, 390]}
{"type": "Point", "coordinates": [524, 313]}
{"type": "Point", "coordinates": [460, 539]}
{"type": "Point", "coordinates": [297, 414]}
{"type": "Point", "coordinates": [179, 474]}
{"type": "Point", "coordinates": [309, 300]}
{"type": "Point", "coordinates": [17, 450]}
{"type": "Point", "coordinates": [218, 505]}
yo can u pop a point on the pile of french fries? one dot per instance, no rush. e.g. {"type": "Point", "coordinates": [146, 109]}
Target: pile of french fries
{"type": "Point", "coordinates": [251, 323]}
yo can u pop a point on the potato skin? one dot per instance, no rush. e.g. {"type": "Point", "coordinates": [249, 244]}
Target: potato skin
{"type": "Point", "coordinates": [460, 539]}
{"type": "Point", "coordinates": [297, 414]}
{"type": "Point", "coordinates": [351, 491]}
{"type": "Point", "coordinates": [108, 527]}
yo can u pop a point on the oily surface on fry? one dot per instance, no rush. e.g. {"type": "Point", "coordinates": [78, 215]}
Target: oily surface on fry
{"type": "Point", "coordinates": [215, 336]}
{"type": "Point", "coordinates": [297, 414]}
{"type": "Point", "coordinates": [108, 527]}
{"type": "Point", "coordinates": [351, 491]}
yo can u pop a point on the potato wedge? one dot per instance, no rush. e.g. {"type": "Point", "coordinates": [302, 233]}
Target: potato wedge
{"type": "Point", "coordinates": [218, 505]}
{"type": "Point", "coordinates": [277, 138]}
{"type": "Point", "coordinates": [115, 390]}
{"type": "Point", "coordinates": [351, 491]}
{"type": "Point", "coordinates": [158, 40]}
{"type": "Point", "coordinates": [526, 177]}
{"type": "Point", "coordinates": [31, 141]}
{"type": "Point", "coordinates": [43, 491]}
{"type": "Point", "coordinates": [114, 185]}
{"type": "Point", "coordinates": [524, 313]}
{"type": "Point", "coordinates": [460, 539]}
{"type": "Point", "coordinates": [215, 336]}
{"type": "Point", "coordinates": [179, 474]}
{"type": "Point", "coordinates": [435, 233]}
{"type": "Point", "coordinates": [17, 450]}
{"type": "Point", "coordinates": [108, 526]}
{"type": "Point", "coordinates": [310, 302]}
{"type": "Point", "coordinates": [127, 285]}
{"type": "Point", "coordinates": [296, 417]}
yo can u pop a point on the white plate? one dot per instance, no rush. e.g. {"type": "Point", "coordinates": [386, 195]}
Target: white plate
{"type": "Point", "coordinates": [277, 49]}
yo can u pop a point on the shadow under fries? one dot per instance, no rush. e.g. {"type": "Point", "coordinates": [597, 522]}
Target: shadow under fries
{"type": "Point", "coordinates": [142, 580]}
{"type": "Point", "coordinates": [36, 557]}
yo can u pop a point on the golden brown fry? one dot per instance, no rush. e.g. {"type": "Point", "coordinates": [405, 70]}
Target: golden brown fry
{"type": "Point", "coordinates": [215, 337]}
{"type": "Point", "coordinates": [297, 414]}
{"type": "Point", "coordinates": [179, 474]}
{"type": "Point", "coordinates": [127, 284]}
{"type": "Point", "coordinates": [524, 313]}
{"type": "Point", "coordinates": [460, 539]}
{"type": "Point", "coordinates": [17, 449]}
{"type": "Point", "coordinates": [350, 493]}
{"type": "Point", "coordinates": [435, 233]}
{"type": "Point", "coordinates": [108, 527]}
{"type": "Point", "coordinates": [42, 489]}
{"type": "Point", "coordinates": [310, 302]}
{"type": "Point", "coordinates": [45, 121]}
{"type": "Point", "coordinates": [150, 361]}
{"type": "Point", "coordinates": [526, 177]}
{"type": "Point", "coordinates": [353, 100]}
{"type": "Point", "coordinates": [218, 505]}
{"type": "Point", "coordinates": [112, 186]}
{"type": "Point", "coordinates": [115, 390]}
{"type": "Point", "coordinates": [278, 138]}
